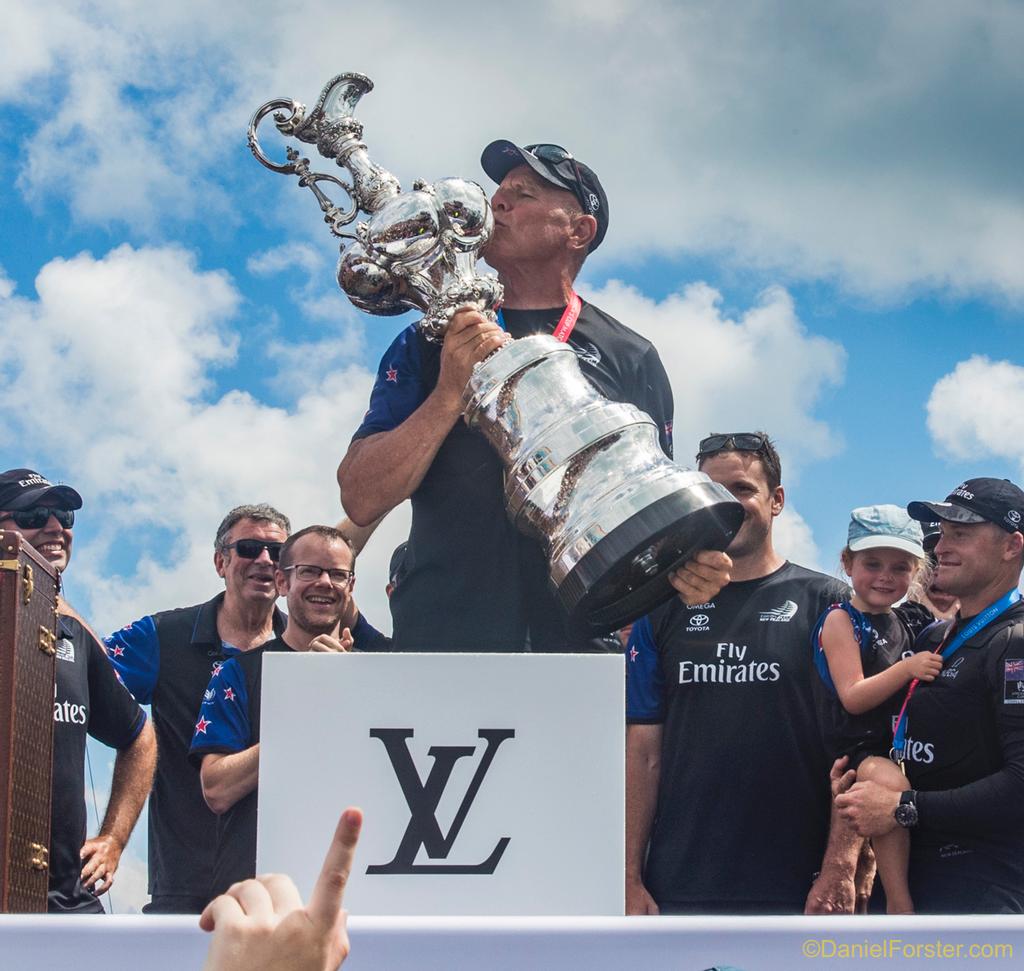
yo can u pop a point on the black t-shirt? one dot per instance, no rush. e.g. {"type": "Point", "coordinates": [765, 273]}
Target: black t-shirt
{"type": "Point", "coordinates": [229, 722]}
{"type": "Point", "coordinates": [90, 700]}
{"type": "Point", "coordinates": [474, 583]}
{"type": "Point", "coordinates": [965, 756]}
{"type": "Point", "coordinates": [743, 801]}
{"type": "Point", "coordinates": [166, 660]}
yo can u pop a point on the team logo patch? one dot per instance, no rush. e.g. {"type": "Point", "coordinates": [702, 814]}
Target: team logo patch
{"type": "Point", "coordinates": [586, 351]}
{"type": "Point", "coordinates": [953, 670]}
{"type": "Point", "coordinates": [65, 650]}
{"type": "Point", "coordinates": [698, 622]}
{"type": "Point", "coordinates": [782, 614]}
{"type": "Point", "coordinates": [1013, 681]}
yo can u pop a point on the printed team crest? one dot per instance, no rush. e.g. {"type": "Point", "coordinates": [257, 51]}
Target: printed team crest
{"type": "Point", "coordinates": [1013, 681]}
{"type": "Point", "coordinates": [65, 650]}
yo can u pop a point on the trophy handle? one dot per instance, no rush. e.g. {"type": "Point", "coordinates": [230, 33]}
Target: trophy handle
{"type": "Point", "coordinates": [334, 216]}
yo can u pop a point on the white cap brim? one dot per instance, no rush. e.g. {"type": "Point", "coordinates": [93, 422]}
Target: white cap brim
{"type": "Point", "coordinates": [888, 543]}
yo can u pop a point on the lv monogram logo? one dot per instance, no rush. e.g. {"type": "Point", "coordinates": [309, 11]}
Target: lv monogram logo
{"type": "Point", "coordinates": [423, 799]}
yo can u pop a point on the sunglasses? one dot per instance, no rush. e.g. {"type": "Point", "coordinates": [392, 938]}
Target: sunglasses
{"type": "Point", "coordinates": [250, 549]}
{"type": "Point", "coordinates": [309, 573]}
{"type": "Point", "coordinates": [555, 155]}
{"type": "Point", "coordinates": [736, 442]}
{"type": "Point", "coordinates": [38, 516]}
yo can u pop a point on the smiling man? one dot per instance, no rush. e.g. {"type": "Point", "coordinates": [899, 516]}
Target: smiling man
{"type": "Point", "coordinates": [472, 582]}
{"type": "Point", "coordinates": [315, 573]}
{"type": "Point", "coordinates": [961, 740]}
{"type": "Point", "coordinates": [166, 660]}
{"type": "Point", "coordinates": [88, 699]}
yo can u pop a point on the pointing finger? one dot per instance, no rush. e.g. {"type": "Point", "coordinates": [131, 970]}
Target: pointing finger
{"type": "Point", "coordinates": [326, 900]}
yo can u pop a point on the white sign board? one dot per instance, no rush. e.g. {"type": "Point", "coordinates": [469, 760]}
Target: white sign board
{"type": "Point", "coordinates": [491, 784]}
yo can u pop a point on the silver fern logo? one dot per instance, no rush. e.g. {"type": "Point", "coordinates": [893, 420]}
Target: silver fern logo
{"type": "Point", "coordinates": [779, 615]}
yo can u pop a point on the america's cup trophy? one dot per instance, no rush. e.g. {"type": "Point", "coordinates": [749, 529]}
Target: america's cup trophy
{"type": "Point", "coordinates": [583, 475]}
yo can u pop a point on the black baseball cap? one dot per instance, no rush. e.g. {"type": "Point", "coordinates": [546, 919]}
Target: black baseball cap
{"type": "Point", "coordinates": [500, 157]}
{"type": "Point", "coordinates": [982, 500]}
{"type": "Point", "coordinates": [23, 489]}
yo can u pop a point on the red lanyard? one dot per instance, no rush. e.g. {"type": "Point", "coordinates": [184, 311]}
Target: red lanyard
{"type": "Point", "coordinates": [565, 323]}
{"type": "Point", "coordinates": [568, 318]}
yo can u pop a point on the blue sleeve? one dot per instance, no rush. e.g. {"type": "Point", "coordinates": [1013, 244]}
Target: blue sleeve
{"type": "Point", "coordinates": [115, 718]}
{"type": "Point", "coordinates": [399, 389]}
{"type": "Point", "coordinates": [135, 653]}
{"type": "Point", "coordinates": [645, 683]}
{"type": "Point", "coordinates": [223, 724]}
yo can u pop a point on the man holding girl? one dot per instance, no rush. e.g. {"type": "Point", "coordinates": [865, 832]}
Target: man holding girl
{"type": "Point", "coordinates": [960, 737]}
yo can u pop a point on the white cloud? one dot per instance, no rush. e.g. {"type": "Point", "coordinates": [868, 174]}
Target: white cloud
{"type": "Point", "coordinates": [761, 370]}
{"type": "Point", "coordinates": [793, 540]}
{"type": "Point", "coordinates": [120, 354]}
{"type": "Point", "coordinates": [876, 145]}
{"type": "Point", "coordinates": [977, 411]}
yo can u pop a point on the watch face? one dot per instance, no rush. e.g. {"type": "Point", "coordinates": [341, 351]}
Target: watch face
{"type": "Point", "coordinates": [906, 814]}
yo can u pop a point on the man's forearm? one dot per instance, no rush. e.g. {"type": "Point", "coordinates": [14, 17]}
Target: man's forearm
{"type": "Point", "coordinates": [228, 778]}
{"type": "Point", "coordinates": [643, 775]}
{"type": "Point", "coordinates": [843, 848]}
{"type": "Point", "coordinates": [382, 470]}
{"type": "Point", "coordinates": [132, 780]}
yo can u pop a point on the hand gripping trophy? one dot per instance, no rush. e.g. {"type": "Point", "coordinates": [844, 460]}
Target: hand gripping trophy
{"type": "Point", "coordinates": [583, 475]}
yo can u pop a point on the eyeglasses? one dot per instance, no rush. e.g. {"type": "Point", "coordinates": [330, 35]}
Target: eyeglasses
{"type": "Point", "coordinates": [554, 155]}
{"type": "Point", "coordinates": [38, 516]}
{"type": "Point", "coordinates": [250, 549]}
{"type": "Point", "coordinates": [738, 442]}
{"type": "Point", "coordinates": [309, 573]}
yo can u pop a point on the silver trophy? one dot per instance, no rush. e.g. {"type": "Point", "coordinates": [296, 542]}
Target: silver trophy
{"type": "Point", "coordinates": [583, 475]}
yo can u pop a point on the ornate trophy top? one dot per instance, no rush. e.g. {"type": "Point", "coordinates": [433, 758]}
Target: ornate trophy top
{"type": "Point", "coordinates": [417, 250]}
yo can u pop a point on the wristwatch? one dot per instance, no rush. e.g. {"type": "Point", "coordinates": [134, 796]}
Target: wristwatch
{"type": "Point", "coordinates": [906, 811]}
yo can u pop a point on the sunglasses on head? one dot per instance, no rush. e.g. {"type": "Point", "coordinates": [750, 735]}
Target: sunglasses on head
{"type": "Point", "coordinates": [736, 442]}
{"type": "Point", "coordinates": [554, 155]}
{"type": "Point", "coordinates": [38, 516]}
{"type": "Point", "coordinates": [250, 549]}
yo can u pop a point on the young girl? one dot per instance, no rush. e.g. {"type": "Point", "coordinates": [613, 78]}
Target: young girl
{"type": "Point", "coordinates": [865, 655]}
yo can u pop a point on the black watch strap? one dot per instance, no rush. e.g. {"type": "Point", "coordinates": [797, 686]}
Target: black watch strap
{"type": "Point", "coordinates": [906, 812]}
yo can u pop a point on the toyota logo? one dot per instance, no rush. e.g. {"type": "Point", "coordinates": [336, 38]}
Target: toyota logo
{"type": "Point", "coordinates": [699, 620]}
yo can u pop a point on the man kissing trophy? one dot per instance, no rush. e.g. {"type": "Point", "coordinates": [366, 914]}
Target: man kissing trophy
{"type": "Point", "coordinates": [583, 475]}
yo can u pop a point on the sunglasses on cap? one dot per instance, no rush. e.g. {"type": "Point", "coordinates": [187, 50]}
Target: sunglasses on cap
{"type": "Point", "coordinates": [736, 442]}
{"type": "Point", "coordinates": [250, 549]}
{"type": "Point", "coordinates": [555, 155]}
{"type": "Point", "coordinates": [38, 516]}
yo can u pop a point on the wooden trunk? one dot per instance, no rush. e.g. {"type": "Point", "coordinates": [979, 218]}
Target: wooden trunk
{"type": "Point", "coordinates": [28, 633]}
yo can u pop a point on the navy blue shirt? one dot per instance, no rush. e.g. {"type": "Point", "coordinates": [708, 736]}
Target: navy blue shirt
{"type": "Point", "coordinates": [229, 722]}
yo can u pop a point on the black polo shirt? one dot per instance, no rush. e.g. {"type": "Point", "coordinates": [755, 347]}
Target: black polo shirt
{"type": "Point", "coordinates": [166, 660]}
{"type": "Point", "coordinates": [474, 583]}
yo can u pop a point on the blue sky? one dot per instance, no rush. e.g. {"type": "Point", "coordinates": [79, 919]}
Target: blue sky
{"type": "Point", "coordinates": [816, 214]}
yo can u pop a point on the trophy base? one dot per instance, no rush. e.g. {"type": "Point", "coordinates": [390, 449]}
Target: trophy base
{"type": "Point", "coordinates": [625, 575]}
